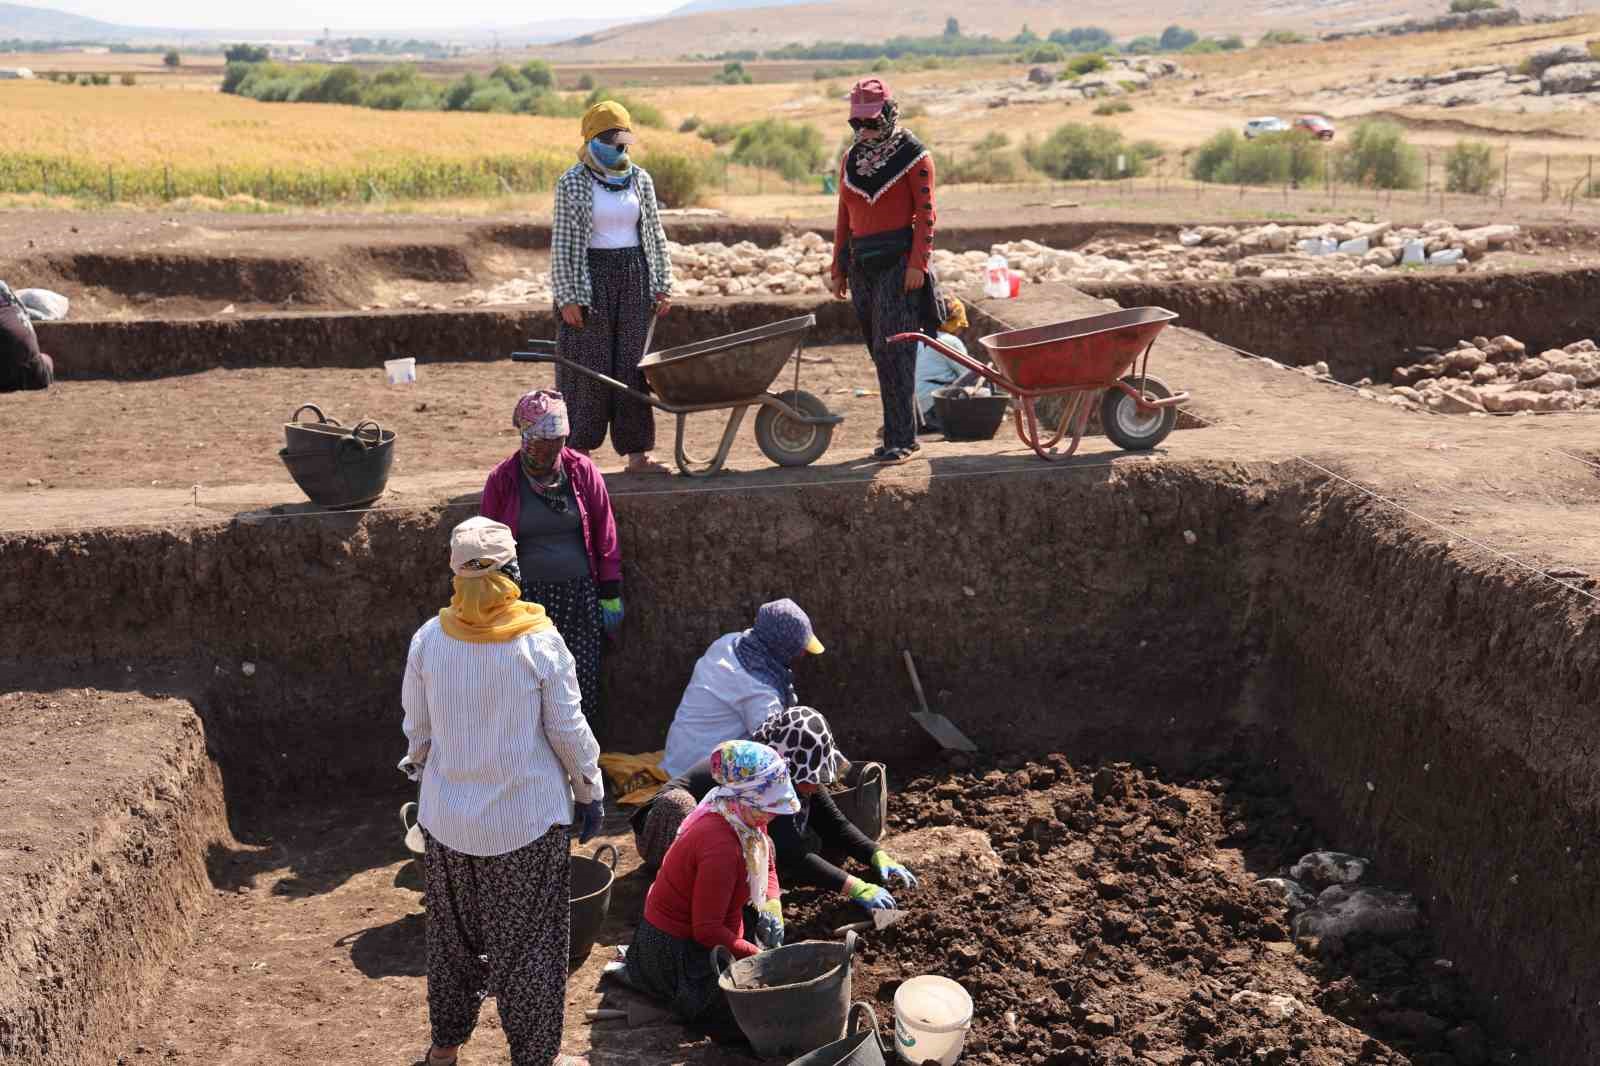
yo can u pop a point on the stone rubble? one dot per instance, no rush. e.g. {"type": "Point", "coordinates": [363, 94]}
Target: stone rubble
{"type": "Point", "coordinates": [1499, 376]}
{"type": "Point", "coordinates": [800, 264]}
{"type": "Point", "coordinates": [1046, 86]}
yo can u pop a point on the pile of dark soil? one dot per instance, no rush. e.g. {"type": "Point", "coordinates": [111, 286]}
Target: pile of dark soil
{"type": "Point", "coordinates": [1125, 926]}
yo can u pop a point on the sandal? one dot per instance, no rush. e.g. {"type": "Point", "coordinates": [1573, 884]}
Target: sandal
{"type": "Point", "coordinates": [890, 456]}
{"type": "Point", "coordinates": [428, 1058]}
{"type": "Point", "coordinates": [646, 466]}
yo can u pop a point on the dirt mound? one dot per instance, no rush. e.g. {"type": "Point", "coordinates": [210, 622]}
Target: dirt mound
{"type": "Point", "coordinates": [1125, 926]}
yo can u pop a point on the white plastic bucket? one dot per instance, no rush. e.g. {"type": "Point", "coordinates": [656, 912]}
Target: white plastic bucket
{"type": "Point", "coordinates": [400, 371]}
{"type": "Point", "coordinates": [997, 278]}
{"type": "Point", "coordinates": [932, 1015]}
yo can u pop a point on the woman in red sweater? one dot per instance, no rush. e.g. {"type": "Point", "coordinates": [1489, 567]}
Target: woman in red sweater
{"type": "Point", "coordinates": [720, 861]}
{"type": "Point", "coordinates": [881, 245]}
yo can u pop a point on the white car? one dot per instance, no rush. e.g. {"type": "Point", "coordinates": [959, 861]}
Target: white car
{"type": "Point", "coordinates": [1265, 124]}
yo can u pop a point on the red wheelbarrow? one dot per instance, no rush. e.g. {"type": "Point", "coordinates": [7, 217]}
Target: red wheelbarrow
{"type": "Point", "coordinates": [1085, 361]}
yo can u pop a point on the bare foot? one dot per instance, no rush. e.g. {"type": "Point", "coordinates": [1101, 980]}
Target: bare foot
{"type": "Point", "coordinates": [643, 463]}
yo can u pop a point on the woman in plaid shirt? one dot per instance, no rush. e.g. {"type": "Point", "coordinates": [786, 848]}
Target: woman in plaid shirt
{"type": "Point", "coordinates": [611, 275]}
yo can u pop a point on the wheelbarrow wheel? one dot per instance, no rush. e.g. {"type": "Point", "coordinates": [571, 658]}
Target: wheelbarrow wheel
{"type": "Point", "coordinates": [788, 441]}
{"type": "Point", "coordinates": [1129, 427]}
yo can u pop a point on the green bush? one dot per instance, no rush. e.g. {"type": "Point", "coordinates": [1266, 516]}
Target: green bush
{"type": "Point", "coordinates": [793, 149]}
{"type": "Point", "coordinates": [1273, 38]}
{"type": "Point", "coordinates": [719, 133]}
{"type": "Point", "coordinates": [1203, 48]}
{"type": "Point", "coordinates": [1176, 38]}
{"type": "Point", "coordinates": [1087, 64]}
{"type": "Point", "coordinates": [129, 79]}
{"type": "Point", "coordinates": [992, 141]}
{"type": "Point", "coordinates": [690, 124]}
{"type": "Point", "coordinates": [1084, 39]}
{"type": "Point", "coordinates": [1143, 46]}
{"type": "Point", "coordinates": [1048, 52]}
{"type": "Point", "coordinates": [1113, 107]}
{"type": "Point", "coordinates": [678, 179]}
{"type": "Point", "coordinates": [172, 59]}
{"type": "Point", "coordinates": [988, 169]}
{"type": "Point", "coordinates": [246, 53]}
{"type": "Point", "coordinates": [1076, 152]}
{"type": "Point", "coordinates": [1467, 7]}
{"type": "Point", "coordinates": [586, 83]}
{"type": "Point", "coordinates": [1378, 156]}
{"type": "Point", "coordinates": [538, 75]}
{"type": "Point", "coordinates": [1271, 159]}
{"type": "Point", "coordinates": [1469, 168]}
{"type": "Point", "coordinates": [1148, 150]}
{"type": "Point", "coordinates": [732, 74]}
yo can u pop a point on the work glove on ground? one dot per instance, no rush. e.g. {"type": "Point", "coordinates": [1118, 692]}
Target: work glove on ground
{"type": "Point", "coordinates": [590, 817]}
{"type": "Point", "coordinates": [889, 868]}
{"type": "Point", "coordinates": [769, 924]}
{"type": "Point", "coordinates": [611, 615]}
{"type": "Point", "coordinates": [866, 894]}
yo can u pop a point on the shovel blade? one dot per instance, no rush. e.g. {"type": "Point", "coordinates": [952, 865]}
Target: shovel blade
{"type": "Point", "coordinates": [944, 731]}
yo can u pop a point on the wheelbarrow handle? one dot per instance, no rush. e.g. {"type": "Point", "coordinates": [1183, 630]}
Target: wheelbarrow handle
{"type": "Point", "coordinates": [988, 373]}
{"type": "Point", "coordinates": [535, 357]}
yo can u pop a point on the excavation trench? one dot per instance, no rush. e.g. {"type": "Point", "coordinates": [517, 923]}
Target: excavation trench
{"type": "Point", "coordinates": [1243, 636]}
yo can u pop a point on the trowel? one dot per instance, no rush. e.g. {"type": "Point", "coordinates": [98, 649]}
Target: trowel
{"type": "Point", "coordinates": [937, 726]}
{"type": "Point", "coordinates": [637, 1015]}
{"type": "Point", "coordinates": [880, 921]}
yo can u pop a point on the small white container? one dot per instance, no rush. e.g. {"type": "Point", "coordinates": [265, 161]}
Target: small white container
{"type": "Point", "coordinates": [1415, 252]}
{"type": "Point", "coordinates": [932, 1016]}
{"type": "Point", "coordinates": [400, 371]}
{"type": "Point", "coordinates": [997, 278]}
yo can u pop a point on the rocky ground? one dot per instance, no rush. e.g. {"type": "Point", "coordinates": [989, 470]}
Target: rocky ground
{"type": "Point", "coordinates": [1553, 79]}
{"type": "Point", "coordinates": [1499, 376]}
{"type": "Point", "coordinates": [801, 263]}
{"type": "Point", "coordinates": [1121, 919]}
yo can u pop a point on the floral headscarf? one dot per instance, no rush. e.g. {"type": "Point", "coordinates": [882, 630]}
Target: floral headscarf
{"type": "Point", "coordinates": [542, 414]}
{"type": "Point", "coordinates": [750, 777]}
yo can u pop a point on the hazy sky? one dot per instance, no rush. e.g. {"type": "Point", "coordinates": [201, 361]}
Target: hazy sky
{"type": "Point", "coordinates": [346, 14]}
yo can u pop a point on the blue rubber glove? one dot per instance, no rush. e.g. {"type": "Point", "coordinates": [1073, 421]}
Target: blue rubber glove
{"type": "Point", "coordinates": [889, 868]}
{"type": "Point", "coordinates": [611, 615]}
{"type": "Point", "coordinates": [769, 924]}
{"type": "Point", "coordinates": [866, 894]}
{"type": "Point", "coordinates": [590, 817]}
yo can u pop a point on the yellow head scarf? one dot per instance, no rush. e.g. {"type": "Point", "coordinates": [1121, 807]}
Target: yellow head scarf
{"type": "Point", "coordinates": [958, 317]}
{"type": "Point", "coordinates": [488, 609]}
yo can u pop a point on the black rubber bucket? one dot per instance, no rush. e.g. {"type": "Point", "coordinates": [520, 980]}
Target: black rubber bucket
{"type": "Point", "coordinates": [591, 899]}
{"type": "Point", "coordinates": [865, 799]}
{"type": "Point", "coordinates": [341, 469]}
{"type": "Point", "coordinates": [790, 1000]}
{"type": "Point", "coordinates": [862, 1046]}
{"type": "Point", "coordinates": [969, 417]}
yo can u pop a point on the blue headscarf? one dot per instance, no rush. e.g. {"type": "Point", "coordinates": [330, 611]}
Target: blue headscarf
{"type": "Point", "coordinates": [781, 632]}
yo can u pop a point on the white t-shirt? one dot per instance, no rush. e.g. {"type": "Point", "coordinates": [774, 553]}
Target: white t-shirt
{"type": "Point", "coordinates": [616, 217]}
{"type": "Point", "coordinates": [722, 702]}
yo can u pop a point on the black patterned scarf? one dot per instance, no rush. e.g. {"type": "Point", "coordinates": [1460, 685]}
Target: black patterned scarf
{"type": "Point", "coordinates": [872, 167]}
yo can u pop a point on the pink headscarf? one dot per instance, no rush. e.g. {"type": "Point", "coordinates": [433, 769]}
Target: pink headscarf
{"type": "Point", "coordinates": [543, 412]}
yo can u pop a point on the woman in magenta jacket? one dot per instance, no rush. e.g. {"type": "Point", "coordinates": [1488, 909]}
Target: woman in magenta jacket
{"type": "Point", "coordinates": [555, 502]}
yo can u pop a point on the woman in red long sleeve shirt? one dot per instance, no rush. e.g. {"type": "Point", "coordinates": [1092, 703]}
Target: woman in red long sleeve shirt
{"type": "Point", "coordinates": [882, 242]}
{"type": "Point", "coordinates": [721, 860]}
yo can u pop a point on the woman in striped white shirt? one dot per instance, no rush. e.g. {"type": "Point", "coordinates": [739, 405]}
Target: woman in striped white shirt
{"type": "Point", "coordinates": [498, 739]}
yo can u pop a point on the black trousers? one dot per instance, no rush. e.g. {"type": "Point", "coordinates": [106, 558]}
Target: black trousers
{"type": "Point", "coordinates": [611, 342]}
{"type": "Point", "coordinates": [884, 308]}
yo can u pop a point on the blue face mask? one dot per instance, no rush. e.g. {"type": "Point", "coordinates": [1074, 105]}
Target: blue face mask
{"type": "Point", "coordinates": [610, 156]}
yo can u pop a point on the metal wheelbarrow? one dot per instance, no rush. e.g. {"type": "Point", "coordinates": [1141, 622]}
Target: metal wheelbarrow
{"type": "Point", "coordinates": [733, 372]}
{"type": "Point", "coordinates": [1085, 361]}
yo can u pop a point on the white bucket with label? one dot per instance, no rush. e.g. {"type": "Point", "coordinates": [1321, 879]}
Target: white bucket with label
{"type": "Point", "coordinates": [932, 1016]}
{"type": "Point", "coordinates": [400, 371]}
{"type": "Point", "coordinates": [997, 278]}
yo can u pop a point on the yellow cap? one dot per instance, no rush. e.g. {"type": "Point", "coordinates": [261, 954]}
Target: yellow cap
{"type": "Point", "coordinates": [607, 115]}
{"type": "Point", "coordinates": [814, 646]}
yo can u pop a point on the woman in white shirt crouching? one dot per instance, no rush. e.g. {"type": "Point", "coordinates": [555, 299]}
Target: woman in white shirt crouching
{"type": "Point", "coordinates": [740, 681]}
{"type": "Point", "coordinates": [498, 739]}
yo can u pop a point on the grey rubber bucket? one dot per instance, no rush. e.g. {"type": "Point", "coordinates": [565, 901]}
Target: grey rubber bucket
{"type": "Point", "coordinates": [790, 1000]}
{"type": "Point", "coordinates": [591, 899]}
{"type": "Point", "coordinates": [862, 1046]}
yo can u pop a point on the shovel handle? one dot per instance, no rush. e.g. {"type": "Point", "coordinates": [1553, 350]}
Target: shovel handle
{"type": "Point", "coordinates": [916, 682]}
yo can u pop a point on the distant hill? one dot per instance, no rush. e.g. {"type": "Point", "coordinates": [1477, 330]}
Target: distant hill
{"type": "Point", "coordinates": [43, 24]}
{"type": "Point", "coordinates": [697, 6]}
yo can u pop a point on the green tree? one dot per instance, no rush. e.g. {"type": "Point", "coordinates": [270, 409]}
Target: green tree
{"type": "Point", "coordinates": [952, 28]}
{"type": "Point", "coordinates": [1378, 156]}
{"type": "Point", "coordinates": [1025, 36]}
{"type": "Point", "coordinates": [1469, 168]}
{"type": "Point", "coordinates": [538, 75]}
{"type": "Point", "coordinates": [1176, 38]}
{"type": "Point", "coordinates": [246, 53]}
{"type": "Point", "coordinates": [1076, 152]}
{"type": "Point", "coordinates": [1467, 7]}
{"type": "Point", "coordinates": [1144, 46]}
{"type": "Point", "coordinates": [172, 59]}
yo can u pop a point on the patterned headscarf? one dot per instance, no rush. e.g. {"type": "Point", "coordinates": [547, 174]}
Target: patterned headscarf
{"type": "Point", "coordinates": [542, 414]}
{"type": "Point", "coordinates": [765, 650]}
{"type": "Point", "coordinates": [750, 777]}
{"type": "Point", "coordinates": [801, 735]}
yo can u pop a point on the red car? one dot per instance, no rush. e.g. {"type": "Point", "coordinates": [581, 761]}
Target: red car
{"type": "Point", "coordinates": [1315, 125]}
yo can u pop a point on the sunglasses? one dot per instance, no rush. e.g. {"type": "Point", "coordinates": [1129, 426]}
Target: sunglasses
{"type": "Point", "coordinates": [610, 137]}
{"type": "Point", "coordinates": [866, 123]}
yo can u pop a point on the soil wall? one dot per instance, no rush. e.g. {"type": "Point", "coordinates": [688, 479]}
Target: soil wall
{"type": "Point", "coordinates": [324, 606]}
{"type": "Point", "coordinates": [112, 808]}
{"type": "Point", "coordinates": [123, 349]}
{"type": "Point", "coordinates": [1441, 716]}
{"type": "Point", "coordinates": [1363, 327]}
